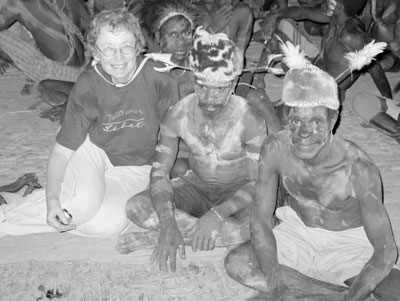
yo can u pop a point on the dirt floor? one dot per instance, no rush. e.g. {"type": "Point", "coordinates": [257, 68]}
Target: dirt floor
{"type": "Point", "coordinates": [88, 269]}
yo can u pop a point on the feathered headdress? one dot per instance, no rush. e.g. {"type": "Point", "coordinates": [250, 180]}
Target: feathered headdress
{"type": "Point", "coordinates": [359, 59]}
{"type": "Point", "coordinates": [307, 85]}
{"type": "Point", "coordinates": [214, 58]}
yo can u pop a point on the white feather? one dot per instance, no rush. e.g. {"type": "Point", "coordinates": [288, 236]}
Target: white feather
{"type": "Point", "coordinates": [358, 59]}
{"type": "Point", "coordinates": [293, 56]}
{"type": "Point", "coordinates": [164, 58]}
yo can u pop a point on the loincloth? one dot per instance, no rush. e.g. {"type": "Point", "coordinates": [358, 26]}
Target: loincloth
{"type": "Point", "coordinates": [196, 197]}
{"type": "Point", "coordinates": [332, 256]}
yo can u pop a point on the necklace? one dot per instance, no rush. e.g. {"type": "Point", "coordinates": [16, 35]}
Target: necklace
{"type": "Point", "coordinates": [208, 136]}
{"type": "Point", "coordinates": [179, 75]}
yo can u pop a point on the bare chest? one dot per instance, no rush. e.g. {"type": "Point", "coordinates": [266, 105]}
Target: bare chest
{"type": "Point", "coordinates": [324, 189]}
{"type": "Point", "coordinates": [222, 141]}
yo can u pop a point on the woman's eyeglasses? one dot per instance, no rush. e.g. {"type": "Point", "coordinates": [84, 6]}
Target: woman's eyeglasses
{"type": "Point", "coordinates": [110, 52]}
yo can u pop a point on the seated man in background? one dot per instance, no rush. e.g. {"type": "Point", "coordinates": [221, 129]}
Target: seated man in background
{"type": "Point", "coordinates": [334, 226]}
{"type": "Point", "coordinates": [170, 24]}
{"type": "Point", "coordinates": [209, 205]}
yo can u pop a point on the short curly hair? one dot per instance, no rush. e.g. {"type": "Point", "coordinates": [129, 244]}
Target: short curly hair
{"type": "Point", "coordinates": [115, 21]}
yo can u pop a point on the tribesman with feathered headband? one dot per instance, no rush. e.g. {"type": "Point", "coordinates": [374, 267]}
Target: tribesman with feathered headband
{"type": "Point", "coordinates": [169, 26]}
{"type": "Point", "coordinates": [208, 206]}
{"type": "Point", "coordinates": [334, 239]}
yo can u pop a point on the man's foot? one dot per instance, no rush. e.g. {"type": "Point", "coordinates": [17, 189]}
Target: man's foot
{"type": "Point", "coordinates": [55, 114]}
{"type": "Point", "coordinates": [385, 124]}
{"type": "Point", "coordinates": [374, 111]}
{"type": "Point", "coordinates": [133, 241]}
{"type": "Point", "coordinates": [29, 179]}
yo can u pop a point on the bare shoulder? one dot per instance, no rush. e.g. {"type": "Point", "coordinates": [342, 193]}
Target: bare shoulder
{"type": "Point", "coordinates": [180, 110]}
{"type": "Point", "coordinates": [250, 112]}
{"type": "Point", "coordinates": [353, 150]}
{"type": "Point", "coordinates": [276, 145]}
{"type": "Point", "coordinates": [362, 166]}
{"type": "Point", "coordinates": [242, 7]}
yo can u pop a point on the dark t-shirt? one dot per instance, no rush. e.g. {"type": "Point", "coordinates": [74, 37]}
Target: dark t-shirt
{"type": "Point", "coordinates": [123, 121]}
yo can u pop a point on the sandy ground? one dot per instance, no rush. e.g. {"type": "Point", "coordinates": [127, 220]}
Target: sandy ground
{"type": "Point", "coordinates": [88, 269]}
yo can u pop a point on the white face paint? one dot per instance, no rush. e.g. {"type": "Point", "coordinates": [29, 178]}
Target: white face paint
{"type": "Point", "coordinates": [212, 100]}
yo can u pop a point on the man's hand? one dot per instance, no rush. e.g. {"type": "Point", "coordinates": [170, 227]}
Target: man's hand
{"type": "Point", "coordinates": [169, 242]}
{"type": "Point", "coordinates": [268, 26]}
{"type": "Point", "coordinates": [205, 232]}
{"type": "Point", "coordinates": [58, 219]}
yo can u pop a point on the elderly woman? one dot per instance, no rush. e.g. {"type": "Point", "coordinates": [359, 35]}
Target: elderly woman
{"type": "Point", "coordinates": [104, 149]}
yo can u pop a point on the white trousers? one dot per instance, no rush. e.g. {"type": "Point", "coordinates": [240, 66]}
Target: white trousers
{"type": "Point", "coordinates": [94, 191]}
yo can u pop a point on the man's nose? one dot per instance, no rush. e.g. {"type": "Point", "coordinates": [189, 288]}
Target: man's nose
{"type": "Point", "coordinates": [180, 40]}
{"type": "Point", "coordinates": [305, 130]}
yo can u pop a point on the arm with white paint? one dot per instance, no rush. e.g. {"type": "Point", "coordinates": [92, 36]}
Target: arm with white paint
{"type": "Point", "coordinates": [261, 218]}
{"type": "Point", "coordinates": [367, 189]}
{"type": "Point", "coordinates": [161, 191]}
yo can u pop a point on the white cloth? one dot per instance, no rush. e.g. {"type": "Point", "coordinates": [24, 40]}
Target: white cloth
{"type": "Point", "coordinates": [94, 191]}
{"type": "Point", "coordinates": [332, 256]}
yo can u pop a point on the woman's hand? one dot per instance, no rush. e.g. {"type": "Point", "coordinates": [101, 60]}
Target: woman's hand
{"type": "Point", "coordinates": [59, 218]}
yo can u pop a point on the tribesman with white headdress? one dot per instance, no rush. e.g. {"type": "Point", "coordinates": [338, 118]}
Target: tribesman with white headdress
{"type": "Point", "coordinates": [334, 240]}
{"type": "Point", "coordinates": [209, 205]}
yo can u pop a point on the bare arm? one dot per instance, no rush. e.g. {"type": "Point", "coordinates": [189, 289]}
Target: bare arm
{"type": "Point", "coordinates": [162, 196]}
{"type": "Point", "coordinates": [368, 190]}
{"type": "Point", "coordinates": [272, 19]}
{"type": "Point", "coordinates": [56, 166]}
{"type": "Point", "coordinates": [299, 13]}
{"type": "Point", "coordinates": [244, 19]}
{"type": "Point", "coordinates": [261, 220]}
{"type": "Point", "coordinates": [379, 77]}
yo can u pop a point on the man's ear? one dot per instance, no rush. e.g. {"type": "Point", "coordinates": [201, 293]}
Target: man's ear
{"type": "Point", "coordinates": [157, 37]}
{"type": "Point", "coordinates": [333, 119]}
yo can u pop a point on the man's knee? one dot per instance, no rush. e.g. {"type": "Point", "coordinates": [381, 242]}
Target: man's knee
{"type": "Point", "coordinates": [234, 262]}
{"type": "Point", "coordinates": [139, 208]}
